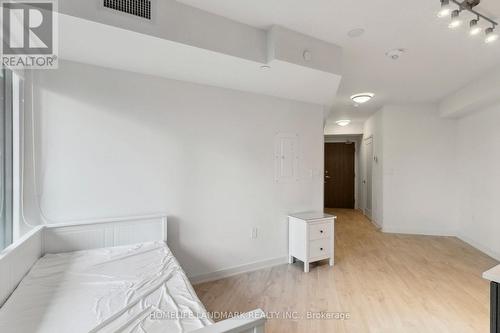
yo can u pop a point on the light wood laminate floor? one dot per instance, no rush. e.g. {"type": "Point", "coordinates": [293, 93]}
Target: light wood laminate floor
{"type": "Point", "coordinates": [385, 282]}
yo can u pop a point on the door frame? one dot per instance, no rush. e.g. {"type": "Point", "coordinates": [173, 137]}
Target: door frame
{"type": "Point", "coordinates": [365, 171]}
{"type": "Point", "coordinates": [356, 139]}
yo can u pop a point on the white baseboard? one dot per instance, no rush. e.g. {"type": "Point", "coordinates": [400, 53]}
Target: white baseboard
{"type": "Point", "coordinates": [495, 255]}
{"type": "Point", "coordinates": [236, 270]}
{"type": "Point", "coordinates": [423, 232]}
{"type": "Point", "coordinates": [375, 223]}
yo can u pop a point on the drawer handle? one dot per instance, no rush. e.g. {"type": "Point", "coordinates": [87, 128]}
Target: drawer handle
{"type": "Point", "coordinates": [321, 231]}
{"type": "Point", "coordinates": [321, 249]}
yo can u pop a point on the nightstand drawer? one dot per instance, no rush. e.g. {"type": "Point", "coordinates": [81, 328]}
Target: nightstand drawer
{"type": "Point", "coordinates": [319, 248]}
{"type": "Point", "coordinates": [319, 231]}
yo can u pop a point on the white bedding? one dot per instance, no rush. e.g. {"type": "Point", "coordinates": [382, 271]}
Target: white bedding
{"type": "Point", "coordinates": [105, 290]}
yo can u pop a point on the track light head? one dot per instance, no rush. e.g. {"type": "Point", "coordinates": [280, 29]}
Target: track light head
{"type": "Point", "coordinates": [456, 21]}
{"type": "Point", "coordinates": [475, 29]}
{"type": "Point", "coordinates": [491, 35]}
{"type": "Point", "coordinates": [445, 9]}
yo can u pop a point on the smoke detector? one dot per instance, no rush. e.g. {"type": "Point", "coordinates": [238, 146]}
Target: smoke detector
{"type": "Point", "coordinates": [395, 54]}
{"type": "Point", "coordinates": [355, 33]}
{"type": "Point", "coordinates": [307, 55]}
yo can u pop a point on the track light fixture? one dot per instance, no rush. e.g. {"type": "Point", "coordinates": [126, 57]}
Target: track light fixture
{"type": "Point", "coordinates": [475, 26]}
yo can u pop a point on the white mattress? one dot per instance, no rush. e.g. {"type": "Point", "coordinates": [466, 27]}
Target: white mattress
{"type": "Point", "coordinates": [105, 290]}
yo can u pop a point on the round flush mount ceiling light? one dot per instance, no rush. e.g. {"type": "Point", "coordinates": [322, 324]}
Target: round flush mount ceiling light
{"type": "Point", "coordinates": [354, 33]}
{"type": "Point", "coordinates": [343, 122]}
{"type": "Point", "coordinates": [265, 67]}
{"type": "Point", "coordinates": [362, 98]}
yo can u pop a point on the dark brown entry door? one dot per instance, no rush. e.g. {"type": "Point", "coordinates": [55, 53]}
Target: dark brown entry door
{"type": "Point", "coordinates": [339, 175]}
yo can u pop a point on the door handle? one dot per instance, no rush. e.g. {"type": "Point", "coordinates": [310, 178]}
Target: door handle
{"type": "Point", "coordinates": [328, 177]}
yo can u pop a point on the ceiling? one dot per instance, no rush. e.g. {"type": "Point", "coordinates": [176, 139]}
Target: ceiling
{"type": "Point", "coordinates": [436, 63]}
{"type": "Point", "coordinates": [183, 62]}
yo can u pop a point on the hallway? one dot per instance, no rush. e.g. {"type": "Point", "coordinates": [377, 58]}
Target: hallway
{"type": "Point", "coordinates": [380, 283]}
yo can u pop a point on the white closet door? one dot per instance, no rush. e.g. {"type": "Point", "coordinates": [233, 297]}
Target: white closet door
{"type": "Point", "coordinates": [368, 177]}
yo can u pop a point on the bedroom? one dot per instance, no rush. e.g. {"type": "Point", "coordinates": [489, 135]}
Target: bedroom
{"type": "Point", "coordinates": [209, 119]}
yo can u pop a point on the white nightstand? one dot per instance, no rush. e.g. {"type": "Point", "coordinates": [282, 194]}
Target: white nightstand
{"type": "Point", "coordinates": [311, 237]}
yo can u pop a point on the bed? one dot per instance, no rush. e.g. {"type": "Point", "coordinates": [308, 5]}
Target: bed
{"type": "Point", "coordinates": [116, 275]}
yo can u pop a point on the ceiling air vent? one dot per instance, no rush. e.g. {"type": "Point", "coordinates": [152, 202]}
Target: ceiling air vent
{"type": "Point", "coordinates": [140, 8]}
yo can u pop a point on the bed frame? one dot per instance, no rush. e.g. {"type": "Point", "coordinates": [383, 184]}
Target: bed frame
{"type": "Point", "coordinates": [17, 259]}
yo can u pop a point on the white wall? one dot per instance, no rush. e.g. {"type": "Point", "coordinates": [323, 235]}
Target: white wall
{"type": "Point", "coordinates": [479, 179]}
{"type": "Point", "coordinates": [478, 95]}
{"type": "Point", "coordinates": [113, 143]}
{"type": "Point", "coordinates": [414, 176]}
{"type": "Point", "coordinates": [419, 177]}
{"type": "Point", "coordinates": [356, 127]}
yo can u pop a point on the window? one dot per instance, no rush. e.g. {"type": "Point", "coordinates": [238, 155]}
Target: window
{"type": "Point", "coordinates": [6, 150]}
